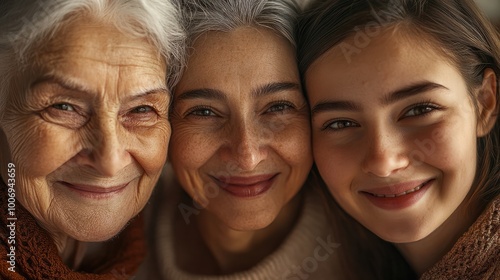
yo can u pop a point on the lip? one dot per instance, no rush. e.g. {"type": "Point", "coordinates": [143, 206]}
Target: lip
{"type": "Point", "coordinates": [249, 186]}
{"type": "Point", "coordinates": [398, 196]}
{"type": "Point", "coordinates": [95, 192]}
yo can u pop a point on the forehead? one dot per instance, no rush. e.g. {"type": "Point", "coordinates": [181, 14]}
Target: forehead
{"type": "Point", "coordinates": [95, 39]}
{"type": "Point", "coordinates": [390, 60]}
{"type": "Point", "coordinates": [247, 55]}
{"type": "Point", "coordinates": [86, 47]}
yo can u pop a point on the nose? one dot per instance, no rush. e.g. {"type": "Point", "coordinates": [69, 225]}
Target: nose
{"type": "Point", "coordinates": [107, 152]}
{"type": "Point", "coordinates": [384, 154]}
{"type": "Point", "coordinates": [246, 146]}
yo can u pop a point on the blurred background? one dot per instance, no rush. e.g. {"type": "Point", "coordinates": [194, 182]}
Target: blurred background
{"type": "Point", "coordinates": [492, 9]}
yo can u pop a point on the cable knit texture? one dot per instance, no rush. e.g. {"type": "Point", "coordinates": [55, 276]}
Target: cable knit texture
{"type": "Point", "coordinates": [308, 252]}
{"type": "Point", "coordinates": [37, 256]}
{"type": "Point", "coordinates": [476, 255]}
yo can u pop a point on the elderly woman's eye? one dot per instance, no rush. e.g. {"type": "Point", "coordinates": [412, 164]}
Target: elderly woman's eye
{"type": "Point", "coordinates": [63, 107]}
{"type": "Point", "coordinates": [143, 115]}
{"type": "Point", "coordinates": [340, 124]}
{"type": "Point", "coordinates": [142, 110]}
{"type": "Point", "coordinates": [280, 107]}
{"type": "Point", "coordinates": [65, 114]}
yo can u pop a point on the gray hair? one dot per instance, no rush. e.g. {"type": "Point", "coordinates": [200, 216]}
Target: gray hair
{"type": "Point", "coordinates": [201, 16]}
{"type": "Point", "coordinates": [24, 24]}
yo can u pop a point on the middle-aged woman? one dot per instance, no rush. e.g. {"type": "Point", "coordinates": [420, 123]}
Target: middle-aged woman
{"type": "Point", "coordinates": [405, 105]}
{"type": "Point", "coordinates": [83, 132]}
{"type": "Point", "coordinates": [240, 150]}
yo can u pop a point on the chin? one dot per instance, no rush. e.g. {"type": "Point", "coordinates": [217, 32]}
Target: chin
{"type": "Point", "coordinates": [248, 222]}
{"type": "Point", "coordinates": [99, 232]}
{"type": "Point", "coordinates": [403, 235]}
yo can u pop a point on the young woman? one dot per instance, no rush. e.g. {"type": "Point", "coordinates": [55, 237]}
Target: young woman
{"type": "Point", "coordinates": [404, 101]}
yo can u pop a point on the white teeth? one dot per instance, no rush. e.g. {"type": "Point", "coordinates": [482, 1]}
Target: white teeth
{"type": "Point", "coordinates": [399, 194]}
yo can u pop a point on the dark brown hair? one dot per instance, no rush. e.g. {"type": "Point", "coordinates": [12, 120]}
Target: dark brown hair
{"type": "Point", "coordinates": [455, 28]}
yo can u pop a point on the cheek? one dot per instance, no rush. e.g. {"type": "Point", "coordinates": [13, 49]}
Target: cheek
{"type": "Point", "coordinates": [190, 147]}
{"type": "Point", "coordinates": [335, 164]}
{"type": "Point", "coordinates": [151, 146]}
{"type": "Point", "coordinates": [38, 148]}
{"type": "Point", "coordinates": [293, 142]}
{"type": "Point", "coordinates": [452, 149]}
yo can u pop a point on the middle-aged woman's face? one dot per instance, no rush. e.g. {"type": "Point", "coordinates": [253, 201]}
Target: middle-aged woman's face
{"type": "Point", "coordinates": [394, 134]}
{"type": "Point", "coordinates": [89, 136]}
{"type": "Point", "coordinates": [240, 129]}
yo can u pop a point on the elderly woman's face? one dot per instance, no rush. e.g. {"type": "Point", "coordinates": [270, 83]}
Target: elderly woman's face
{"type": "Point", "coordinates": [89, 137]}
{"type": "Point", "coordinates": [240, 128]}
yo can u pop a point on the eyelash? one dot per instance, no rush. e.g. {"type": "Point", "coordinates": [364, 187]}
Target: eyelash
{"type": "Point", "coordinates": [288, 106]}
{"type": "Point", "coordinates": [136, 109]}
{"type": "Point", "coordinates": [422, 105]}
{"type": "Point", "coordinates": [344, 121]}
{"type": "Point", "coordinates": [63, 104]}
{"type": "Point", "coordinates": [201, 108]}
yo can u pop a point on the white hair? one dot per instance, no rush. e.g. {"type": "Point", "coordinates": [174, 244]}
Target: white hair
{"type": "Point", "coordinates": [25, 24]}
{"type": "Point", "coordinates": [201, 16]}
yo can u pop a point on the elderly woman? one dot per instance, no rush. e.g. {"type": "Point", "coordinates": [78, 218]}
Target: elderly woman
{"type": "Point", "coordinates": [241, 153]}
{"type": "Point", "coordinates": [83, 132]}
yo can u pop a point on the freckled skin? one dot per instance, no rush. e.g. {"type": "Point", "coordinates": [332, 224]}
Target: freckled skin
{"type": "Point", "coordinates": [243, 139]}
{"type": "Point", "coordinates": [388, 145]}
{"type": "Point", "coordinates": [102, 141]}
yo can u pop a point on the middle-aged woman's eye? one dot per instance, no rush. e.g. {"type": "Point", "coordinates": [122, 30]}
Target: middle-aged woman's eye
{"type": "Point", "coordinates": [280, 107]}
{"type": "Point", "coordinates": [339, 124]}
{"type": "Point", "coordinates": [202, 112]}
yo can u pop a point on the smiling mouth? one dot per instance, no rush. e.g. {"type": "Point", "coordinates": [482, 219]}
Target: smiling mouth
{"type": "Point", "coordinates": [95, 192]}
{"type": "Point", "coordinates": [246, 186]}
{"type": "Point", "coordinates": [399, 194]}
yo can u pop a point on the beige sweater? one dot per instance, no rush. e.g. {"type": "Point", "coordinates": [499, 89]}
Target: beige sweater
{"type": "Point", "coordinates": [309, 251]}
{"type": "Point", "coordinates": [476, 255]}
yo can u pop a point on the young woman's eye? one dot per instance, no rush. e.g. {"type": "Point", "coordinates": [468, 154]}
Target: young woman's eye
{"type": "Point", "coordinates": [280, 107]}
{"type": "Point", "coordinates": [420, 110]}
{"type": "Point", "coordinates": [340, 124]}
{"type": "Point", "coordinates": [63, 107]}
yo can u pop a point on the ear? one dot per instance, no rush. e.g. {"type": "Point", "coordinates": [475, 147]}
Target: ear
{"type": "Point", "coordinates": [487, 103]}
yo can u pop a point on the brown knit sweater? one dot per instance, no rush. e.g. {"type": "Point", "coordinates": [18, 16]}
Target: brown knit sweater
{"type": "Point", "coordinates": [476, 255]}
{"type": "Point", "coordinates": [37, 257]}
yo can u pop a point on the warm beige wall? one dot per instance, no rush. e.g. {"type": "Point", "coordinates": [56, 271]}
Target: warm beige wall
{"type": "Point", "coordinates": [492, 9]}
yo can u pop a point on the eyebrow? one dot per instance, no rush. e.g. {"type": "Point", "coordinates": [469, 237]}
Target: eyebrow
{"type": "Point", "coordinates": [64, 82]}
{"type": "Point", "coordinates": [410, 90]}
{"type": "Point", "coordinates": [202, 93]}
{"type": "Point", "coordinates": [325, 106]}
{"type": "Point", "coordinates": [214, 94]}
{"type": "Point", "coordinates": [391, 98]}
{"type": "Point", "coordinates": [71, 85]}
{"type": "Point", "coordinates": [271, 88]}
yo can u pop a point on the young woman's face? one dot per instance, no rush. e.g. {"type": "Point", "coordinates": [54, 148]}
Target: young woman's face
{"type": "Point", "coordinates": [240, 128]}
{"type": "Point", "coordinates": [394, 134]}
